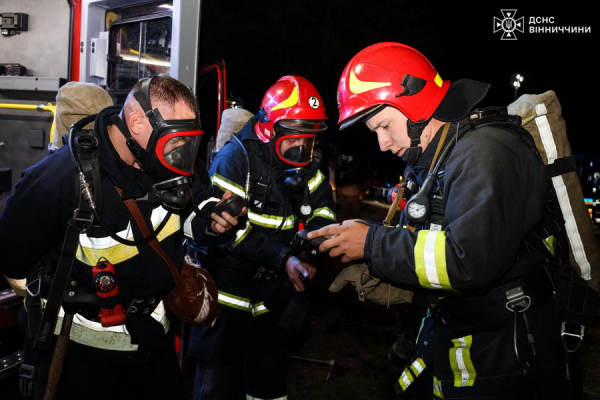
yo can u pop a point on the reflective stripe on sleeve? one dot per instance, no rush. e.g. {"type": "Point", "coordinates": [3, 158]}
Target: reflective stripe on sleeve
{"type": "Point", "coordinates": [324, 212]}
{"type": "Point", "coordinates": [460, 362]}
{"type": "Point", "coordinates": [225, 184]}
{"type": "Point", "coordinates": [430, 260]}
{"type": "Point", "coordinates": [437, 388]}
{"type": "Point", "coordinates": [411, 373]}
{"type": "Point", "coordinates": [271, 221]}
{"type": "Point", "coordinates": [241, 234]}
{"type": "Point", "coordinates": [187, 225]}
{"type": "Point", "coordinates": [241, 303]}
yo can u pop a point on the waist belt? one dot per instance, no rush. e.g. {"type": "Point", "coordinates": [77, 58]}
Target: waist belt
{"type": "Point", "coordinates": [246, 269]}
{"type": "Point", "coordinates": [93, 334]}
{"type": "Point", "coordinates": [136, 307]}
{"type": "Point", "coordinates": [499, 303]}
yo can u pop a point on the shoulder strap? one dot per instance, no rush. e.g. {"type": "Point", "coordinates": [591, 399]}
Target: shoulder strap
{"type": "Point", "coordinates": [139, 219]}
{"type": "Point", "coordinates": [83, 146]}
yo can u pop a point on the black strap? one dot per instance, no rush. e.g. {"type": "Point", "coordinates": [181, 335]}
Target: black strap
{"type": "Point", "coordinates": [495, 305]}
{"type": "Point", "coordinates": [561, 166]}
{"type": "Point", "coordinates": [58, 288]}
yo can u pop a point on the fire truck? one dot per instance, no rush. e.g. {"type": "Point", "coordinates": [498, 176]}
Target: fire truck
{"type": "Point", "coordinates": [112, 43]}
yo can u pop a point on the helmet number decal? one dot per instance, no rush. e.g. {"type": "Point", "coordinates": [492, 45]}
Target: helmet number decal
{"type": "Point", "coordinates": [313, 102]}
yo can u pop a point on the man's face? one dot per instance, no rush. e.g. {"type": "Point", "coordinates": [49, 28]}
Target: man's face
{"type": "Point", "coordinates": [390, 126]}
{"type": "Point", "coordinates": [290, 142]}
{"type": "Point", "coordinates": [295, 149]}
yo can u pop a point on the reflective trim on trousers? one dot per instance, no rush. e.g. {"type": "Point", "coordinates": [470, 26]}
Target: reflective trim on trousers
{"type": "Point", "coordinates": [460, 362]}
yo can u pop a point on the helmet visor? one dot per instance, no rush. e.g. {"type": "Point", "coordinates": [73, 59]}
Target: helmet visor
{"type": "Point", "coordinates": [178, 151]}
{"type": "Point", "coordinates": [296, 149]}
{"type": "Point", "coordinates": [302, 125]}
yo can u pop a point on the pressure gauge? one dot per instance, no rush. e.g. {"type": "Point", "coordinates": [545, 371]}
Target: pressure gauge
{"type": "Point", "coordinates": [418, 207]}
{"type": "Point", "coordinates": [415, 211]}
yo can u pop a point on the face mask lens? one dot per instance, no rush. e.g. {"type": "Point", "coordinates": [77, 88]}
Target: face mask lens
{"type": "Point", "coordinates": [296, 150]}
{"type": "Point", "coordinates": [179, 153]}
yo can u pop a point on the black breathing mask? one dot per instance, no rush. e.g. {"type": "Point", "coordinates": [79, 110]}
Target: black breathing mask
{"type": "Point", "coordinates": [295, 178]}
{"type": "Point", "coordinates": [170, 155]}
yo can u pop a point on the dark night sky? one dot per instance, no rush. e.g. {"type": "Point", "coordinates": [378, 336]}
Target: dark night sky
{"type": "Point", "coordinates": [262, 40]}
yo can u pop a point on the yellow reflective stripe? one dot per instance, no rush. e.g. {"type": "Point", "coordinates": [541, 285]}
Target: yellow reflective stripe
{"type": "Point", "coordinates": [357, 86]}
{"type": "Point", "coordinates": [241, 303]}
{"type": "Point", "coordinates": [417, 366]}
{"type": "Point", "coordinates": [91, 249]}
{"type": "Point", "coordinates": [460, 362]}
{"type": "Point", "coordinates": [324, 212]}
{"type": "Point", "coordinates": [241, 234]}
{"type": "Point", "coordinates": [437, 388]}
{"type": "Point", "coordinates": [411, 372]}
{"type": "Point", "coordinates": [290, 101]}
{"type": "Point", "coordinates": [438, 80]}
{"type": "Point", "coordinates": [430, 260]}
{"type": "Point", "coordinates": [405, 379]}
{"type": "Point", "coordinates": [187, 224]}
{"type": "Point", "coordinates": [233, 301]}
{"type": "Point", "coordinates": [315, 181]}
{"type": "Point", "coordinates": [271, 221]}
{"type": "Point", "coordinates": [258, 309]}
{"type": "Point", "coordinates": [225, 184]}
{"type": "Point", "coordinates": [549, 243]}
{"type": "Point", "coordinates": [172, 226]}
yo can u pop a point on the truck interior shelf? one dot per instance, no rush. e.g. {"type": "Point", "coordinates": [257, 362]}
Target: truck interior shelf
{"type": "Point", "coordinates": [31, 83]}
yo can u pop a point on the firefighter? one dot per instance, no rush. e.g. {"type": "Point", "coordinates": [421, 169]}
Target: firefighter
{"type": "Point", "coordinates": [262, 273]}
{"type": "Point", "coordinates": [474, 189]}
{"type": "Point", "coordinates": [143, 147]}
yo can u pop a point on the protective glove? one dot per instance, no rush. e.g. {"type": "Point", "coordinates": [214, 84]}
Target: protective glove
{"type": "Point", "coordinates": [369, 287]}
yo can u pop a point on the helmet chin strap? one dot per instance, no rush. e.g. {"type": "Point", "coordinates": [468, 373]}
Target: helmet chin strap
{"type": "Point", "coordinates": [415, 129]}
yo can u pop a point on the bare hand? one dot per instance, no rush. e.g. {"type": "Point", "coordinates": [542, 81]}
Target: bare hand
{"type": "Point", "coordinates": [297, 271]}
{"type": "Point", "coordinates": [224, 222]}
{"type": "Point", "coordinates": [346, 239]}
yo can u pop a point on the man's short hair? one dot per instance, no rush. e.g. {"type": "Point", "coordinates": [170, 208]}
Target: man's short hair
{"type": "Point", "coordinates": [168, 90]}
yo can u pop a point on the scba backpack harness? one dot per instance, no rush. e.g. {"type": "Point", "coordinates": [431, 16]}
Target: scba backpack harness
{"type": "Point", "coordinates": [572, 285]}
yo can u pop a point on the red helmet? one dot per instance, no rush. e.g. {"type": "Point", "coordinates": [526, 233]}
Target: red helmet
{"type": "Point", "coordinates": [389, 74]}
{"type": "Point", "coordinates": [295, 104]}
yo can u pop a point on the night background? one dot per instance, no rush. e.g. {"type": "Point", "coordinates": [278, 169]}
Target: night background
{"type": "Point", "coordinates": [261, 41]}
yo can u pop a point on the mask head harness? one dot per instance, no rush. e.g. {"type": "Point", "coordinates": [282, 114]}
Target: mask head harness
{"type": "Point", "coordinates": [411, 86]}
{"type": "Point", "coordinates": [171, 152]}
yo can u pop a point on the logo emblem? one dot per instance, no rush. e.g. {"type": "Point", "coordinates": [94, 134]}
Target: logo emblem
{"type": "Point", "coordinates": [508, 25]}
{"type": "Point", "coordinates": [313, 102]}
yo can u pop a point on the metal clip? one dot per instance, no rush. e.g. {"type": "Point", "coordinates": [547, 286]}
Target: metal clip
{"type": "Point", "coordinates": [82, 221]}
{"type": "Point", "coordinates": [564, 333]}
{"type": "Point", "coordinates": [517, 300]}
